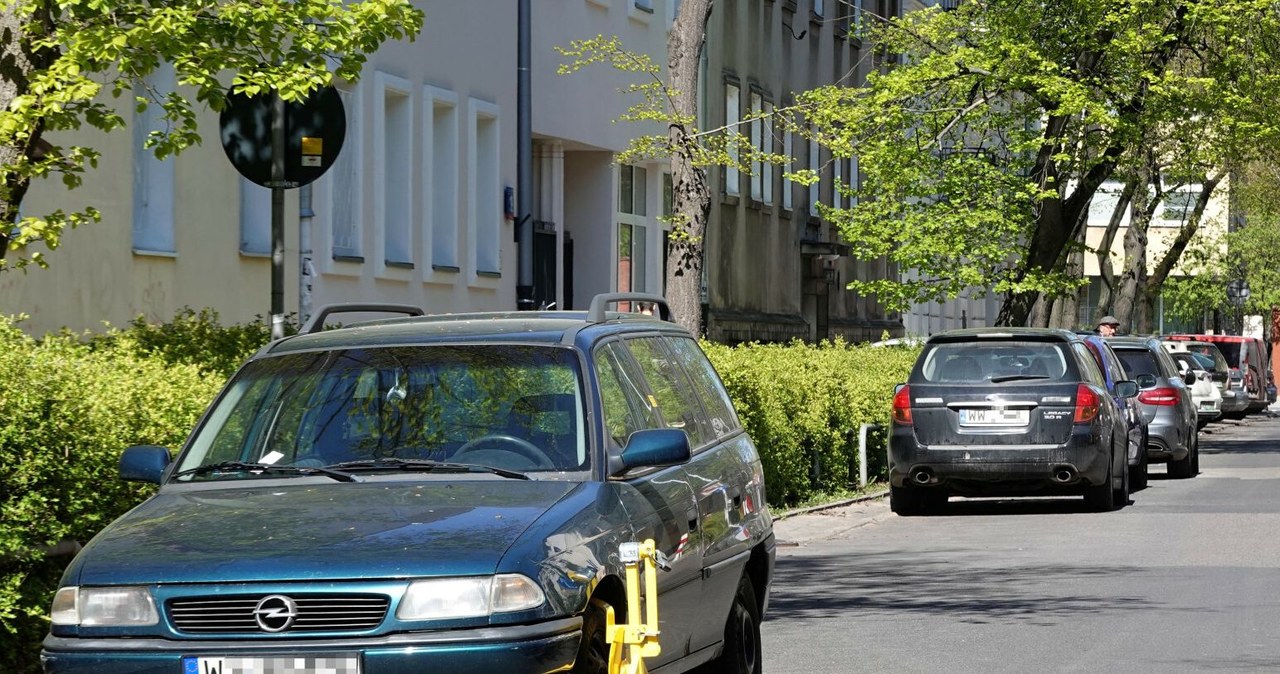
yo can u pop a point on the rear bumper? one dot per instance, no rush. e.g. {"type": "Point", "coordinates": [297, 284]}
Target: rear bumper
{"type": "Point", "coordinates": [1160, 451]}
{"type": "Point", "coordinates": [1007, 470]}
{"type": "Point", "coordinates": [1234, 402]}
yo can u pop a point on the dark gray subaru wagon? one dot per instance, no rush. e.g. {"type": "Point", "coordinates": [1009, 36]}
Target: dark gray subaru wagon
{"type": "Point", "coordinates": [1007, 412]}
{"type": "Point", "coordinates": [435, 494]}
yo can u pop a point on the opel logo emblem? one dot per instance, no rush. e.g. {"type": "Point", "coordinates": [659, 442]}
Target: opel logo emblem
{"type": "Point", "coordinates": [275, 613]}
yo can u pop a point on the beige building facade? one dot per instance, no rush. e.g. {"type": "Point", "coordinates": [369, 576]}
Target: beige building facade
{"type": "Point", "coordinates": [417, 208]}
{"type": "Point", "coordinates": [774, 270]}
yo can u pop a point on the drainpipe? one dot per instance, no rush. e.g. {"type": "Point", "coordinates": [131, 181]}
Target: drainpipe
{"type": "Point", "coordinates": [524, 167]}
{"type": "Point", "coordinates": [305, 272]}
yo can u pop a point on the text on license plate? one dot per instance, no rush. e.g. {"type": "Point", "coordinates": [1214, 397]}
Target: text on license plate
{"type": "Point", "coordinates": [271, 664]}
{"type": "Point", "coordinates": [985, 417]}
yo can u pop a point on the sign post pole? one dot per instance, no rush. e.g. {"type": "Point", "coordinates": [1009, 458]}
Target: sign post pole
{"type": "Point", "coordinates": [277, 216]}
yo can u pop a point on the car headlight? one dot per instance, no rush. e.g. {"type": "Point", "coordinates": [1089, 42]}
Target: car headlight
{"type": "Point", "coordinates": [441, 598]}
{"type": "Point", "coordinates": [103, 607]}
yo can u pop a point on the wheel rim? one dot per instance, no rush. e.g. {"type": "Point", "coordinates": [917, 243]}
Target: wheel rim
{"type": "Point", "coordinates": [746, 637]}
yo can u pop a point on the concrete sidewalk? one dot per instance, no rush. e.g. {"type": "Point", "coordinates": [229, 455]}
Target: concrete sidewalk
{"type": "Point", "coordinates": [836, 521]}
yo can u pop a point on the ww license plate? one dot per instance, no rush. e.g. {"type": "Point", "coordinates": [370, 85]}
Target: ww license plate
{"type": "Point", "coordinates": [271, 664]}
{"type": "Point", "coordinates": [987, 417]}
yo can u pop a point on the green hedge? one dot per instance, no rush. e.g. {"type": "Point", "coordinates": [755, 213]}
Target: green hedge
{"type": "Point", "coordinates": [803, 405]}
{"type": "Point", "coordinates": [70, 403]}
{"type": "Point", "coordinates": [66, 412]}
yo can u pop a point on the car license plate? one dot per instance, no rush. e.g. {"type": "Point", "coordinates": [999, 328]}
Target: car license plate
{"type": "Point", "coordinates": [982, 417]}
{"type": "Point", "coordinates": [1208, 407]}
{"type": "Point", "coordinates": [271, 664]}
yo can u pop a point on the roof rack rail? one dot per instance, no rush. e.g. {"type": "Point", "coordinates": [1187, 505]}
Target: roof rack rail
{"type": "Point", "coordinates": [316, 322]}
{"type": "Point", "coordinates": [596, 312]}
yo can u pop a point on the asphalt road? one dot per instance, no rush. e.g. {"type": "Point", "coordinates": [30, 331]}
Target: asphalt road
{"type": "Point", "coordinates": [1184, 579]}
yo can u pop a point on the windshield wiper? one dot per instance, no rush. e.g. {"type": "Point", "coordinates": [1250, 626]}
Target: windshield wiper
{"type": "Point", "coordinates": [394, 463]}
{"type": "Point", "coordinates": [1018, 377]}
{"type": "Point", "coordinates": [248, 467]}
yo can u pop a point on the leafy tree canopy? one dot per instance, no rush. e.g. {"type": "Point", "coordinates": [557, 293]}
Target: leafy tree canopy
{"type": "Point", "coordinates": [981, 148]}
{"type": "Point", "coordinates": [61, 57]}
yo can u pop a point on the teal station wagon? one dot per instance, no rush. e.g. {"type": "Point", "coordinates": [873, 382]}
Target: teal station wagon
{"type": "Point", "coordinates": [435, 494]}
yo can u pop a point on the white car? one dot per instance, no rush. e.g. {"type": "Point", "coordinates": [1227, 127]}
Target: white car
{"type": "Point", "coordinates": [1204, 392]}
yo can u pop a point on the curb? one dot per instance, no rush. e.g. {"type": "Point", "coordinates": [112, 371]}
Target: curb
{"type": "Point", "coordinates": [832, 505]}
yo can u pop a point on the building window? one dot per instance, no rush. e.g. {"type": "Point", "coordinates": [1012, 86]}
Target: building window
{"type": "Point", "coordinates": [787, 149]}
{"type": "Point", "coordinates": [732, 118]}
{"type": "Point", "coordinates": [632, 257]}
{"type": "Point", "coordinates": [817, 168]}
{"type": "Point", "coordinates": [485, 187]}
{"type": "Point", "coordinates": [837, 177]}
{"type": "Point", "coordinates": [766, 147]}
{"type": "Point", "coordinates": [855, 181]}
{"type": "Point", "coordinates": [153, 179]}
{"type": "Point", "coordinates": [440, 182]}
{"type": "Point", "coordinates": [346, 187]}
{"type": "Point", "coordinates": [633, 228]}
{"type": "Point", "coordinates": [1177, 207]}
{"type": "Point", "coordinates": [255, 218]}
{"type": "Point", "coordinates": [632, 192]}
{"type": "Point", "coordinates": [757, 169]}
{"type": "Point", "coordinates": [394, 170]}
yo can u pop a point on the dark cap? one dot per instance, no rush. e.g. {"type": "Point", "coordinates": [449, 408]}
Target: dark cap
{"type": "Point", "coordinates": [1109, 320]}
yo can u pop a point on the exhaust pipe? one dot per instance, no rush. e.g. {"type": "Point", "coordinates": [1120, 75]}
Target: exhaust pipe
{"type": "Point", "coordinates": [1064, 474]}
{"type": "Point", "coordinates": [922, 476]}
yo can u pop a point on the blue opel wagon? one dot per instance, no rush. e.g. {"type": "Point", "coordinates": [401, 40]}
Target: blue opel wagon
{"type": "Point", "coordinates": [435, 494]}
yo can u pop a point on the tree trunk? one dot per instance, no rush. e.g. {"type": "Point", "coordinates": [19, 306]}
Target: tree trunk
{"type": "Point", "coordinates": [692, 195]}
{"type": "Point", "coordinates": [17, 62]}
{"type": "Point", "coordinates": [1131, 286]}
{"type": "Point", "coordinates": [1106, 270]}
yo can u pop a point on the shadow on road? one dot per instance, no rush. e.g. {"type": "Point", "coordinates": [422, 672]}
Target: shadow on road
{"type": "Point", "coordinates": [930, 583]}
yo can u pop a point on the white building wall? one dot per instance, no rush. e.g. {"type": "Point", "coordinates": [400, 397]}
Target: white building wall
{"type": "Point", "coordinates": [435, 118]}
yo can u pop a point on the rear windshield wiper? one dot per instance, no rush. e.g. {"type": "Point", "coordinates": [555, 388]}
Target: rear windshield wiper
{"type": "Point", "coordinates": [1018, 377]}
{"type": "Point", "coordinates": [248, 467]}
{"type": "Point", "coordinates": [392, 463]}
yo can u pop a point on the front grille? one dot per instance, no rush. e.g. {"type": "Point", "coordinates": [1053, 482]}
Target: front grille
{"type": "Point", "coordinates": [315, 613]}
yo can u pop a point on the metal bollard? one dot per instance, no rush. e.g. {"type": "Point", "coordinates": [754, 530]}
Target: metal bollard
{"type": "Point", "coordinates": [638, 637]}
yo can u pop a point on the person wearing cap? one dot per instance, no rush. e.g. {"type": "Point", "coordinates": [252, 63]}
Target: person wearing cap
{"type": "Point", "coordinates": [1108, 326]}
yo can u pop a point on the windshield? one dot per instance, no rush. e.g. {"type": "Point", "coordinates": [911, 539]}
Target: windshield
{"type": "Point", "coordinates": [507, 406]}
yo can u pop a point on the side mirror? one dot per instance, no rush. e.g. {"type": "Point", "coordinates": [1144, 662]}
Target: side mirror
{"type": "Point", "coordinates": [1126, 389]}
{"type": "Point", "coordinates": [144, 463]}
{"type": "Point", "coordinates": [651, 447]}
{"type": "Point", "coordinates": [1189, 377]}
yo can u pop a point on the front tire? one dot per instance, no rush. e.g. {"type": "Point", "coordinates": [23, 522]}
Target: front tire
{"type": "Point", "coordinates": [1138, 476]}
{"type": "Point", "coordinates": [742, 650]}
{"type": "Point", "coordinates": [593, 650]}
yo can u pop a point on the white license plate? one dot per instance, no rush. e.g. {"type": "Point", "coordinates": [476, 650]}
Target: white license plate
{"type": "Point", "coordinates": [1208, 407]}
{"type": "Point", "coordinates": [271, 664]}
{"type": "Point", "coordinates": [982, 417]}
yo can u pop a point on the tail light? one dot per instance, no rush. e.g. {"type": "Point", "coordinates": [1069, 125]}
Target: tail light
{"type": "Point", "coordinates": [1164, 395]}
{"type": "Point", "coordinates": [902, 406]}
{"type": "Point", "coordinates": [1087, 404]}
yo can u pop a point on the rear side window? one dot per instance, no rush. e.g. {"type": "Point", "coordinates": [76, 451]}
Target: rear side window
{"type": "Point", "coordinates": [1089, 369]}
{"type": "Point", "coordinates": [1139, 362]}
{"type": "Point", "coordinates": [992, 362]}
{"type": "Point", "coordinates": [673, 393]}
{"type": "Point", "coordinates": [706, 384]}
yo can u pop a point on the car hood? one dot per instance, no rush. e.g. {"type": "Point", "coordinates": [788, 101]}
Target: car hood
{"type": "Point", "coordinates": [312, 531]}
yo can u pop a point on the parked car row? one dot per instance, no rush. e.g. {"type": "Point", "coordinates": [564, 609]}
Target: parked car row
{"type": "Point", "coordinates": [1241, 369]}
{"type": "Point", "coordinates": [1027, 411]}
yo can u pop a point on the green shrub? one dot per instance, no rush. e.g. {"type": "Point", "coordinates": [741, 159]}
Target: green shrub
{"type": "Point", "coordinates": [193, 338]}
{"type": "Point", "coordinates": [68, 410]}
{"type": "Point", "coordinates": [803, 405]}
